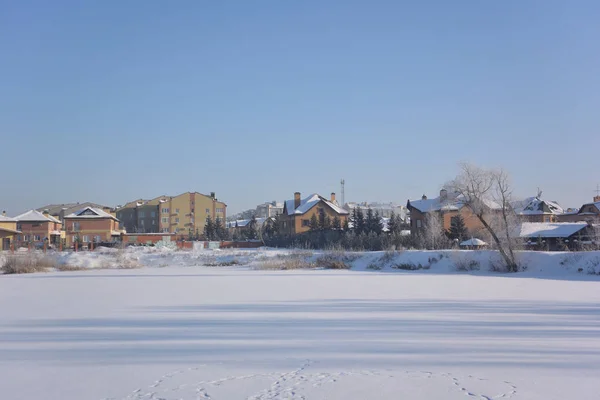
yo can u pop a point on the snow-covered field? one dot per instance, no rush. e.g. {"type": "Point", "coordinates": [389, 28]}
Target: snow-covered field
{"type": "Point", "coordinates": [178, 331]}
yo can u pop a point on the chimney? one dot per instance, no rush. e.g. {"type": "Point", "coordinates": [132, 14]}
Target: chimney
{"type": "Point", "coordinates": [333, 197]}
{"type": "Point", "coordinates": [424, 197]}
{"type": "Point", "coordinates": [4, 213]}
{"type": "Point", "coordinates": [596, 199]}
{"type": "Point", "coordinates": [296, 200]}
{"type": "Point", "coordinates": [443, 195]}
{"type": "Point", "coordinates": [212, 194]}
{"type": "Point", "coordinates": [46, 212]}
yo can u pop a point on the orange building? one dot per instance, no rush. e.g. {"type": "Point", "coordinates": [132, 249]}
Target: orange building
{"type": "Point", "coordinates": [91, 225]}
{"type": "Point", "coordinates": [37, 228]}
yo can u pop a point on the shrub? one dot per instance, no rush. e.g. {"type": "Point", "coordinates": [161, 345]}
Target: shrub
{"type": "Point", "coordinates": [462, 262]}
{"type": "Point", "coordinates": [66, 268]}
{"type": "Point", "coordinates": [410, 266]}
{"type": "Point", "coordinates": [28, 263]}
{"type": "Point", "coordinates": [571, 258]}
{"type": "Point", "coordinates": [329, 261]}
{"type": "Point", "coordinates": [375, 267]}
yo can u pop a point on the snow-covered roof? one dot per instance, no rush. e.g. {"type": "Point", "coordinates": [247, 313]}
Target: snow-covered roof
{"type": "Point", "coordinates": [91, 213]}
{"type": "Point", "coordinates": [537, 206]}
{"type": "Point", "coordinates": [7, 219]}
{"type": "Point", "coordinates": [550, 229]}
{"type": "Point", "coordinates": [473, 242]}
{"type": "Point", "coordinates": [240, 223]}
{"type": "Point", "coordinates": [449, 203]}
{"type": "Point", "coordinates": [309, 202]}
{"type": "Point", "coordinates": [35, 216]}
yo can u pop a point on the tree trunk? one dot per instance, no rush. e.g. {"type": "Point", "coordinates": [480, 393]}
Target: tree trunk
{"type": "Point", "coordinates": [510, 262]}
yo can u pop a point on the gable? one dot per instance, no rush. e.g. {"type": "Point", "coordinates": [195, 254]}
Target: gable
{"type": "Point", "coordinates": [88, 211]}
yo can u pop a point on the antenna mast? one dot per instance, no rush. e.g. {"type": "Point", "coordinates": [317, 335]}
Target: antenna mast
{"type": "Point", "coordinates": [343, 183]}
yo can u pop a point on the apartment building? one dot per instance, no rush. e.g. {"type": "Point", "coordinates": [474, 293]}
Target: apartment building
{"type": "Point", "coordinates": [140, 216]}
{"type": "Point", "coordinates": [187, 213]}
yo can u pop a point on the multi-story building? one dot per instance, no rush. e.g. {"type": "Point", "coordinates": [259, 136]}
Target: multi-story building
{"type": "Point", "coordinates": [298, 212]}
{"type": "Point", "coordinates": [268, 210]}
{"type": "Point", "coordinates": [187, 213]}
{"type": "Point", "coordinates": [140, 216]}
{"type": "Point", "coordinates": [37, 228]}
{"type": "Point", "coordinates": [91, 225]}
{"type": "Point", "coordinates": [183, 214]}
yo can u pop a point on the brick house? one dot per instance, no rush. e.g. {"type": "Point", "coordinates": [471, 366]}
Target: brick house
{"type": "Point", "coordinates": [37, 228]}
{"type": "Point", "coordinates": [91, 225]}
{"type": "Point", "coordinates": [534, 209]}
{"type": "Point", "coordinates": [447, 207]}
{"type": "Point", "coordinates": [298, 212]}
{"type": "Point", "coordinates": [589, 212]}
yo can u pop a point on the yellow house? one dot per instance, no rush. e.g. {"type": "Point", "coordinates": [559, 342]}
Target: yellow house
{"type": "Point", "coordinates": [298, 212]}
{"type": "Point", "coordinates": [8, 230]}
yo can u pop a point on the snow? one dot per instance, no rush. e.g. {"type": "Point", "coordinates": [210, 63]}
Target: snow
{"type": "Point", "coordinates": [174, 331]}
{"type": "Point", "coordinates": [4, 218]}
{"type": "Point", "coordinates": [35, 216]}
{"type": "Point", "coordinates": [85, 213]}
{"type": "Point", "coordinates": [535, 206]}
{"type": "Point", "coordinates": [309, 202]}
{"type": "Point", "coordinates": [473, 242]}
{"type": "Point", "coordinates": [553, 230]}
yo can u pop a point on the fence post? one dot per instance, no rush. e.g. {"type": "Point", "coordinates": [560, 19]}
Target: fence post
{"type": "Point", "coordinates": [75, 246]}
{"type": "Point", "coordinates": [45, 244]}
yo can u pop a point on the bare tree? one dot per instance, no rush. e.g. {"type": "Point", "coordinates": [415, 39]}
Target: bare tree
{"type": "Point", "coordinates": [434, 236]}
{"type": "Point", "coordinates": [487, 193]}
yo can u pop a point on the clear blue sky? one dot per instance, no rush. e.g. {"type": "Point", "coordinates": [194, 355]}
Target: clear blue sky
{"type": "Point", "coordinates": [109, 101]}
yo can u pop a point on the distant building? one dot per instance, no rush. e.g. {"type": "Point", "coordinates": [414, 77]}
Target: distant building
{"type": "Point", "coordinates": [268, 210]}
{"type": "Point", "coordinates": [298, 212]}
{"type": "Point", "coordinates": [589, 212]}
{"type": "Point", "coordinates": [182, 214]}
{"type": "Point", "coordinates": [384, 209]}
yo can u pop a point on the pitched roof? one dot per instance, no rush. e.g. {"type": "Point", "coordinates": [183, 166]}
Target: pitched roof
{"type": "Point", "coordinates": [91, 213]}
{"type": "Point", "coordinates": [56, 209]}
{"type": "Point", "coordinates": [309, 202]}
{"type": "Point", "coordinates": [450, 203]}
{"type": "Point", "coordinates": [35, 216]}
{"type": "Point", "coordinates": [550, 229]}
{"type": "Point", "coordinates": [537, 206]}
{"type": "Point", "coordinates": [7, 219]}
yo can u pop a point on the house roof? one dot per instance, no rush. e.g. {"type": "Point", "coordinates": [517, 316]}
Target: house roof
{"type": "Point", "coordinates": [240, 223]}
{"type": "Point", "coordinates": [7, 219]}
{"type": "Point", "coordinates": [35, 216]}
{"type": "Point", "coordinates": [450, 203]}
{"type": "Point", "coordinates": [537, 206]}
{"type": "Point", "coordinates": [550, 230]}
{"type": "Point", "coordinates": [595, 204]}
{"type": "Point", "coordinates": [91, 213]}
{"type": "Point", "coordinates": [309, 202]}
{"type": "Point", "coordinates": [56, 209]}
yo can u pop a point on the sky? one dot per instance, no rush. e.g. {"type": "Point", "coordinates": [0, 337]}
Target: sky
{"type": "Point", "coordinates": [111, 101]}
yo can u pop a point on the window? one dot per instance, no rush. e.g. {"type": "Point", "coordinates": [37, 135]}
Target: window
{"type": "Point", "coordinates": [418, 223]}
{"type": "Point", "coordinates": [36, 238]}
{"type": "Point", "coordinates": [176, 220]}
{"type": "Point", "coordinates": [141, 222]}
{"type": "Point", "coordinates": [153, 214]}
{"type": "Point", "coordinates": [97, 238]}
{"type": "Point", "coordinates": [192, 203]}
{"type": "Point", "coordinates": [86, 238]}
{"type": "Point", "coordinates": [19, 227]}
{"type": "Point", "coordinates": [76, 226]}
{"type": "Point", "coordinates": [165, 230]}
{"type": "Point", "coordinates": [165, 210]}
{"type": "Point", "coordinates": [547, 218]}
{"type": "Point", "coordinates": [26, 237]}
{"type": "Point", "coordinates": [208, 211]}
{"type": "Point", "coordinates": [141, 214]}
{"type": "Point", "coordinates": [177, 211]}
{"type": "Point", "coordinates": [20, 238]}
{"type": "Point", "coordinates": [153, 222]}
{"type": "Point", "coordinates": [165, 220]}
{"type": "Point", "coordinates": [305, 222]}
